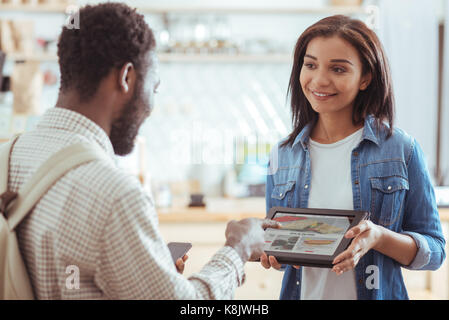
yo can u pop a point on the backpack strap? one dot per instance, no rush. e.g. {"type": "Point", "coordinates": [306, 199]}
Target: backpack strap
{"type": "Point", "coordinates": [6, 196]}
{"type": "Point", "coordinates": [5, 153]}
{"type": "Point", "coordinates": [44, 178]}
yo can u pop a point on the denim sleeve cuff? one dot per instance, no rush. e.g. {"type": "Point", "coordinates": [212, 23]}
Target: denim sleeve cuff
{"type": "Point", "coordinates": [422, 257]}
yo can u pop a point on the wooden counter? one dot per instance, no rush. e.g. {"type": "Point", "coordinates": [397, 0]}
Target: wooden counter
{"type": "Point", "coordinates": [216, 210]}
{"type": "Point", "coordinates": [223, 210]}
{"type": "Point", "coordinates": [444, 214]}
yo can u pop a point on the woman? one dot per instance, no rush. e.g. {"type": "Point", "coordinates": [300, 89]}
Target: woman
{"type": "Point", "coordinates": [344, 153]}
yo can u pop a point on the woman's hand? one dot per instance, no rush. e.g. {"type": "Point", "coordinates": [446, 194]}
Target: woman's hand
{"type": "Point", "coordinates": [366, 235]}
{"type": "Point", "coordinates": [180, 263]}
{"type": "Point", "coordinates": [270, 261]}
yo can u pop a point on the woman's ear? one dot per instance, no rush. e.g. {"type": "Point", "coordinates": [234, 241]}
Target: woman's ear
{"type": "Point", "coordinates": [125, 77]}
{"type": "Point", "coordinates": [365, 81]}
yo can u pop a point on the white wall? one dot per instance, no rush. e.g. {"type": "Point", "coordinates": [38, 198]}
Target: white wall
{"type": "Point", "coordinates": [409, 33]}
{"type": "Point", "coordinates": [445, 117]}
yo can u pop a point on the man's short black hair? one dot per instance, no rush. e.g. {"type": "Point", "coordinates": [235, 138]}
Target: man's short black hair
{"type": "Point", "coordinates": [109, 35]}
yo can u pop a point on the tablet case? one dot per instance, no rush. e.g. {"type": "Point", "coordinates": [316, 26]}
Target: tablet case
{"type": "Point", "coordinates": [315, 260]}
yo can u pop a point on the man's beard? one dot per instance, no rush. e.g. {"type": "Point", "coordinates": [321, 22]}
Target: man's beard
{"type": "Point", "coordinates": [124, 130]}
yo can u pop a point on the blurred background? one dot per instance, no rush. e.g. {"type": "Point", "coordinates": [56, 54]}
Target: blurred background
{"type": "Point", "coordinates": [221, 106]}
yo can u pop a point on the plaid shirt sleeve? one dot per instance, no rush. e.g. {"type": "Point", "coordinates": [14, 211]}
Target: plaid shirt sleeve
{"type": "Point", "coordinates": [135, 263]}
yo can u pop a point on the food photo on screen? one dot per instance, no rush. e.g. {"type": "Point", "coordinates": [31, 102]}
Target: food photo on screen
{"type": "Point", "coordinates": [317, 234]}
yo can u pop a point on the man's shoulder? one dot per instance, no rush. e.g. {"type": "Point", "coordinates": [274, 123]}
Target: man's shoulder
{"type": "Point", "coordinates": [104, 179]}
{"type": "Point", "coordinates": [100, 178]}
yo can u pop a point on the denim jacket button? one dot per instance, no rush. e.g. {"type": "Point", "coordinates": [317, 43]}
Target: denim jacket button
{"type": "Point", "coordinates": [306, 186]}
{"type": "Point", "coordinates": [280, 194]}
{"type": "Point", "coordinates": [389, 188]}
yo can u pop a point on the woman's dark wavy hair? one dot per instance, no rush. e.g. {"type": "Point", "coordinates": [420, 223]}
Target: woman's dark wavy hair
{"type": "Point", "coordinates": [376, 100]}
{"type": "Point", "coordinates": [109, 35]}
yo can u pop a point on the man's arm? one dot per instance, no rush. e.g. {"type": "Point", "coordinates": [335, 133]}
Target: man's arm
{"type": "Point", "coordinates": [135, 262]}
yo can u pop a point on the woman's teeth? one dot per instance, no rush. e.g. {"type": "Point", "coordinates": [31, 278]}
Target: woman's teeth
{"type": "Point", "coordinates": [322, 94]}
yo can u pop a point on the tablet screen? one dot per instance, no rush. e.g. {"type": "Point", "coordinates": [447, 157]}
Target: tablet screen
{"type": "Point", "coordinates": [306, 234]}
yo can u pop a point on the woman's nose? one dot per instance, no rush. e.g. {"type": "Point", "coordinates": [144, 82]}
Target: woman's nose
{"type": "Point", "coordinates": [320, 79]}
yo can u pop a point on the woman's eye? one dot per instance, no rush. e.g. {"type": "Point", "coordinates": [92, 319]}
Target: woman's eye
{"type": "Point", "coordinates": [339, 70]}
{"type": "Point", "coordinates": [308, 65]}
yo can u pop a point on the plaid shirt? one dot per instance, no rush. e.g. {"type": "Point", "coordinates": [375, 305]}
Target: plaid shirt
{"type": "Point", "coordinates": [100, 220]}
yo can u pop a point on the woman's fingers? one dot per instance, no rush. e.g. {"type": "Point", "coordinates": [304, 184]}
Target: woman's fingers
{"type": "Point", "coordinates": [347, 264]}
{"type": "Point", "coordinates": [347, 254]}
{"type": "Point", "coordinates": [274, 263]}
{"type": "Point", "coordinates": [264, 261]}
{"type": "Point", "coordinates": [363, 226]}
{"type": "Point", "coordinates": [348, 259]}
{"type": "Point", "coordinates": [269, 262]}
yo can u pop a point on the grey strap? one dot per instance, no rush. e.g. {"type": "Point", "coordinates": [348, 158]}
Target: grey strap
{"type": "Point", "coordinates": [5, 151]}
{"type": "Point", "coordinates": [47, 175]}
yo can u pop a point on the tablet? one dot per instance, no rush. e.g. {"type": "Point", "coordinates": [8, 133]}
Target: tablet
{"type": "Point", "coordinates": [309, 237]}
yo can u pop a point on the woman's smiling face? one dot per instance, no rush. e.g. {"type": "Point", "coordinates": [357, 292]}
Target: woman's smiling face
{"type": "Point", "coordinates": [331, 75]}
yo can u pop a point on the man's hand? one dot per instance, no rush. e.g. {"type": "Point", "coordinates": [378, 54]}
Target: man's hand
{"type": "Point", "coordinates": [247, 236]}
{"type": "Point", "coordinates": [180, 263]}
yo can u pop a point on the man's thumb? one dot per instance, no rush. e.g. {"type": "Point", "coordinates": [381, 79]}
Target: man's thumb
{"type": "Point", "coordinates": [267, 223]}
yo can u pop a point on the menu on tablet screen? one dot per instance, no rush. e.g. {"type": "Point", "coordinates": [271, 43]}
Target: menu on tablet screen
{"type": "Point", "coordinates": [306, 234]}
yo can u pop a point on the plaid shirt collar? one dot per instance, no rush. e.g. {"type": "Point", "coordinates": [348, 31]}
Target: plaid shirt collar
{"type": "Point", "coordinates": [68, 120]}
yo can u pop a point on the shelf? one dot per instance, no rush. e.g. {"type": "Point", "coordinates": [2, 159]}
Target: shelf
{"type": "Point", "coordinates": [349, 10]}
{"type": "Point", "coordinates": [41, 57]}
{"type": "Point", "coordinates": [174, 57]}
{"type": "Point", "coordinates": [41, 8]}
{"type": "Point", "coordinates": [254, 10]}
{"type": "Point", "coordinates": [256, 58]}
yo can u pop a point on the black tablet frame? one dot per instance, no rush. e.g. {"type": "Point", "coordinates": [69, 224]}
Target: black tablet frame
{"type": "Point", "coordinates": [315, 260]}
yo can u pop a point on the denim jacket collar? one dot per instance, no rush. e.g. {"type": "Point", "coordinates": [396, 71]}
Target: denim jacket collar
{"type": "Point", "coordinates": [369, 130]}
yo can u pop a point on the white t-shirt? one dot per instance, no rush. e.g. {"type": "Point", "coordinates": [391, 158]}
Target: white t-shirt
{"type": "Point", "coordinates": [331, 188]}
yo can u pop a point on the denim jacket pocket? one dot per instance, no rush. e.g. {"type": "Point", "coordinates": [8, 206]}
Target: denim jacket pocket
{"type": "Point", "coordinates": [387, 198]}
{"type": "Point", "coordinates": [282, 194]}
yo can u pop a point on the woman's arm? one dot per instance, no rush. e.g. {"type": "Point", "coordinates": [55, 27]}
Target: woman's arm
{"type": "Point", "coordinates": [420, 244]}
{"type": "Point", "coordinates": [421, 218]}
{"type": "Point", "coordinates": [398, 246]}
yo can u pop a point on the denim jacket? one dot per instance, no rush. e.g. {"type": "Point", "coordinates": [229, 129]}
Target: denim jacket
{"type": "Point", "coordinates": [390, 180]}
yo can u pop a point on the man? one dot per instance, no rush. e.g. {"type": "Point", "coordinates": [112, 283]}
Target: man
{"type": "Point", "coordinates": [96, 217]}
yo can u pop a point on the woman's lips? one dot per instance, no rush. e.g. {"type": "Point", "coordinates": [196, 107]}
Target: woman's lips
{"type": "Point", "coordinates": [318, 95]}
